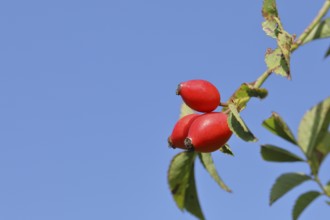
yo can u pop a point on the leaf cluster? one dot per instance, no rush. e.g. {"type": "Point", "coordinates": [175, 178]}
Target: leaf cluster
{"type": "Point", "coordinates": [313, 141]}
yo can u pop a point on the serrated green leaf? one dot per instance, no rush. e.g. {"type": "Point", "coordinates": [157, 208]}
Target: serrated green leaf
{"type": "Point", "coordinates": [276, 154]}
{"type": "Point", "coordinates": [284, 42]}
{"type": "Point", "coordinates": [185, 110]}
{"type": "Point", "coordinates": [181, 180]}
{"type": "Point", "coordinates": [314, 164]}
{"type": "Point", "coordinates": [207, 161]}
{"type": "Point", "coordinates": [191, 197]}
{"type": "Point", "coordinates": [276, 62]}
{"type": "Point", "coordinates": [324, 145]}
{"type": "Point", "coordinates": [277, 125]}
{"type": "Point", "coordinates": [234, 111]}
{"type": "Point", "coordinates": [226, 150]}
{"type": "Point", "coordinates": [238, 129]}
{"type": "Point", "coordinates": [322, 30]}
{"type": "Point", "coordinates": [319, 154]}
{"type": "Point", "coordinates": [285, 183]}
{"type": "Point", "coordinates": [238, 126]}
{"type": "Point", "coordinates": [302, 202]}
{"type": "Point", "coordinates": [327, 53]}
{"type": "Point", "coordinates": [179, 176]}
{"type": "Point", "coordinates": [314, 126]}
{"type": "Point", "coordinates": [269, 9]}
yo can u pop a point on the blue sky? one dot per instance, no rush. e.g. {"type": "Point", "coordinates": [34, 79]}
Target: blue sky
{"type": "Point", "coordinates": [87, 100]}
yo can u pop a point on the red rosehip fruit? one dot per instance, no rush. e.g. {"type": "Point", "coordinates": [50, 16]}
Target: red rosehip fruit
{"type": "Point", "coordinates": [208, 132]}
{"type": "Point", "coordinates": [180, 131]}
{"type": "Point", "coordinates": [199, 95]}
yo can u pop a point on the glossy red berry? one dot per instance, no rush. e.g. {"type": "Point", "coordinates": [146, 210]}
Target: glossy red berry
{"type": "Point", "coordinates": [180, 131]}
{"type": "Point", "coordinates": [200, 95]}
{"type": "Point", "coordinates": [208, 132]}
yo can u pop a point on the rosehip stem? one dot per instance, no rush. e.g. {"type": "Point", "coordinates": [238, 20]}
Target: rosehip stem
{"type": "Point", "coordinates": [223, 104]}
{"type": "Point", "coordinates": [227, 111]}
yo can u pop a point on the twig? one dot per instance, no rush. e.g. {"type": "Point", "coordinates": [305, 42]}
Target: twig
{"type": "Point", "coordinates": [323, 11]}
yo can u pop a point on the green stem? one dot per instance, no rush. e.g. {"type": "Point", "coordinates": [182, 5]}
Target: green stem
{"type": "Point", "coordinates": [258, 83]}
{"type": "Point", "coordinates": [317, 180]}
{"type": "Point", "coordinates": [223, 104]}
{"type": "Point", "coordinates": [311, 26]}
{"type": "Point", "coordinates": [278, 23]}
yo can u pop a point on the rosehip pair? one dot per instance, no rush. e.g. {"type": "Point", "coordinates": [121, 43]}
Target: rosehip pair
{"type": "Point", "coordinates": [202, 133]}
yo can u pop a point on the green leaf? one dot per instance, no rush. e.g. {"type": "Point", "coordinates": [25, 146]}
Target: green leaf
{"type": "Point", "coordinates": [191, 198]}
{"type": "Point", "coordinates": [277, 125]}
{"type": "Point", "coordinates": [277, 154]}
{"type": "Point", "coordinates": [285, 183]}
{"type": "Point", "coordinates": [302, 202]}
{"type": "Point", "coordinates": [240, 97]}
{"type": "Point", "coordinates": [327, 53]}
{"type": "Point", "coordinates": [234, 111]}
{"type": "Point", "coordinates": [276, 62]}
{"type": "Point", "coordinates": [324, 146]}
{"type": "Point", "coordinates": [269, 9]}
{"type": "Point", "coordinates": [260, 93]}
{"type": "Point", "coordinates": [179, 176]}
{"type": "Point", "coordinates": [319, 153]}
{"type": "Point", "coordinates": [322, 30]}
{"type": "Point", "coordinates": [207, 161]}
{"type": "Point", "coordinates": [284, 42]}
{"type": "Point", "coordinates": [315, 161]}
{"type": "Point", "coordinates": [244, 93]}
{"type": "Point", "coordinates": [226, 150]}
{"type": "Point", "coordinates": [238, 126]}
{"type": "Point", "coordinates": [185, 110]}
{"type": "Point", "coordinates": [314, 126]}
{"type": "Point", "coordinates": [181, 179]}
{"type": "Point", "coordinates": [270, 27]}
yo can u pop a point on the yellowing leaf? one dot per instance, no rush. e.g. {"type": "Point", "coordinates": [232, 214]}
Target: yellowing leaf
{"type": "Point", "coordinates": [185, 110]}
{"type": "Point", "coordinates": [276, 62]}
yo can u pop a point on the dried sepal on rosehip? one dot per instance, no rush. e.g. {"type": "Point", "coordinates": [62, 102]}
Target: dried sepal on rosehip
{"type": "Point", "coordinates": [199, 95]}
{"type": "Point", "coordinates": [208, 132]}
{"type": "Point", "coordinates": [180, 131]}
